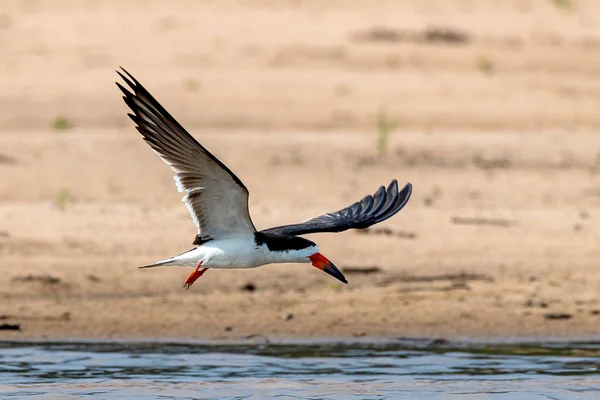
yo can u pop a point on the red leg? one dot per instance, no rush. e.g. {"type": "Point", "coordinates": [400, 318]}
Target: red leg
{"type": "Point", "coordinates": [194, 275]}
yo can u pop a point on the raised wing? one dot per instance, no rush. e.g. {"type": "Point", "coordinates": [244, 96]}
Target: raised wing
{"type": "Point", "coordinates": [371, 210]}
{"type": "Point", "coordinates": [216, 198]}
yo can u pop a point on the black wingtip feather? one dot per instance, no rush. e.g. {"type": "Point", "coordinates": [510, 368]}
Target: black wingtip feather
{"type": "Point", "coordinates": [379, 199]}
{"type": "Point", "coordinates": [128, 81]}
{"type": "Point", "coordinates": [125, 91]}
{"type": "Point", "coordinates": [129, 78]}
{"type": "Point", "coordinates": [367, 203]}
{"type": "Point", "coordinates": [390, 201]}
{"type": "Point", "coordinates": [405, 194]}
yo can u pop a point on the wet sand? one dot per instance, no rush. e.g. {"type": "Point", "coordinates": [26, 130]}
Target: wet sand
{"type": "Point", "coordinates": [497, 108]}
{"type": "Point", "coordinates": [478, 251]}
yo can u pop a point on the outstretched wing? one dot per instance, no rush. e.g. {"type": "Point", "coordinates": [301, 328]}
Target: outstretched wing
{"type": "Point", "coordinates": [216, 198]}
{"type": "Point", "coordinates": [371, 210]}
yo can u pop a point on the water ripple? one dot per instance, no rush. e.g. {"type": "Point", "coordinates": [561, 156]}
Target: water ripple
{"type": "Point", "coordinates": [325, 371]}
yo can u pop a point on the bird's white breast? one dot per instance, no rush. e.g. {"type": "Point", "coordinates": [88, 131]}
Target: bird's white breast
{"type": "Point", "coordinates": [236, 252]}
{"type": "Point", "coordinates": [239, 252]}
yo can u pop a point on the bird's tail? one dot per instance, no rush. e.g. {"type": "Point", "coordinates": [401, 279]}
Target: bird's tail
{"type": "Point", "coordinates": [163, 263]}
{"type": "Point", "coordinates": [184, 259]}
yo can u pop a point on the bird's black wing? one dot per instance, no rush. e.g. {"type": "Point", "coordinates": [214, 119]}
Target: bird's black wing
{"type": "Point", "coordinates": [371, 210]}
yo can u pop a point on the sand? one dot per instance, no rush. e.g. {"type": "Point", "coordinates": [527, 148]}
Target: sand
{"type": "Point", "coordinates": [496, 106]}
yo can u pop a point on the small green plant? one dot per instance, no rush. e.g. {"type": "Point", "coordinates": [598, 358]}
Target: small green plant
{"type": "Point", "coordinates": [485, 65]}
{"type": "Point", "coordinates": [565, 4]}
{"type": "Point", "coordinates": [385, 127]}
{"type": "Point", "coordinates": [335, 287]}
{"type": "Point", "coordinates": [62, 198]}
{"type": "Point", "coordinates": [61, 123]}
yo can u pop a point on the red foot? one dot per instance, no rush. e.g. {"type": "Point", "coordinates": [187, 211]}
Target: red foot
{"type": "Point", "coordinates": [194, 275]}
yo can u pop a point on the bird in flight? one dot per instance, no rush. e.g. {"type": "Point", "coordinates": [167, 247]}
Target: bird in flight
{"type": "Point", "coordinates": [218, 202]}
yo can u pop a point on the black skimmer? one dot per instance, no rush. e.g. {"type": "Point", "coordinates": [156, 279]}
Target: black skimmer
{"type": "Point", "coordinates": [218, 202]}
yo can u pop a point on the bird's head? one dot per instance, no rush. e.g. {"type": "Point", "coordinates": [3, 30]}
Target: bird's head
{"type": "Point", "coordinates": [296, 249]}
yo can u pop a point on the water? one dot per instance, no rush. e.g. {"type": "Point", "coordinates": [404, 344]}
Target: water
{"type": "Point", "coordinates": [408, 369]}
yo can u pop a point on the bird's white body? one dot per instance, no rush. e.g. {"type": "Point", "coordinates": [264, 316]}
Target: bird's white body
{"type": "Point", "coordinates": [236, 252]}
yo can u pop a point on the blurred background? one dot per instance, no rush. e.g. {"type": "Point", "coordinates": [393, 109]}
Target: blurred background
{"type": "Point", "coordinates": [490, 108]}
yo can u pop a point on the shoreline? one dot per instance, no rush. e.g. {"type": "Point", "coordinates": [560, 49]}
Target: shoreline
{"type": "Point", "coordinates": [408, 342]}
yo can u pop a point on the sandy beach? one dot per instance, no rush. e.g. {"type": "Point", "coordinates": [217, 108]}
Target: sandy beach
{"type": "Point", "coordinates": [496, 107]}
